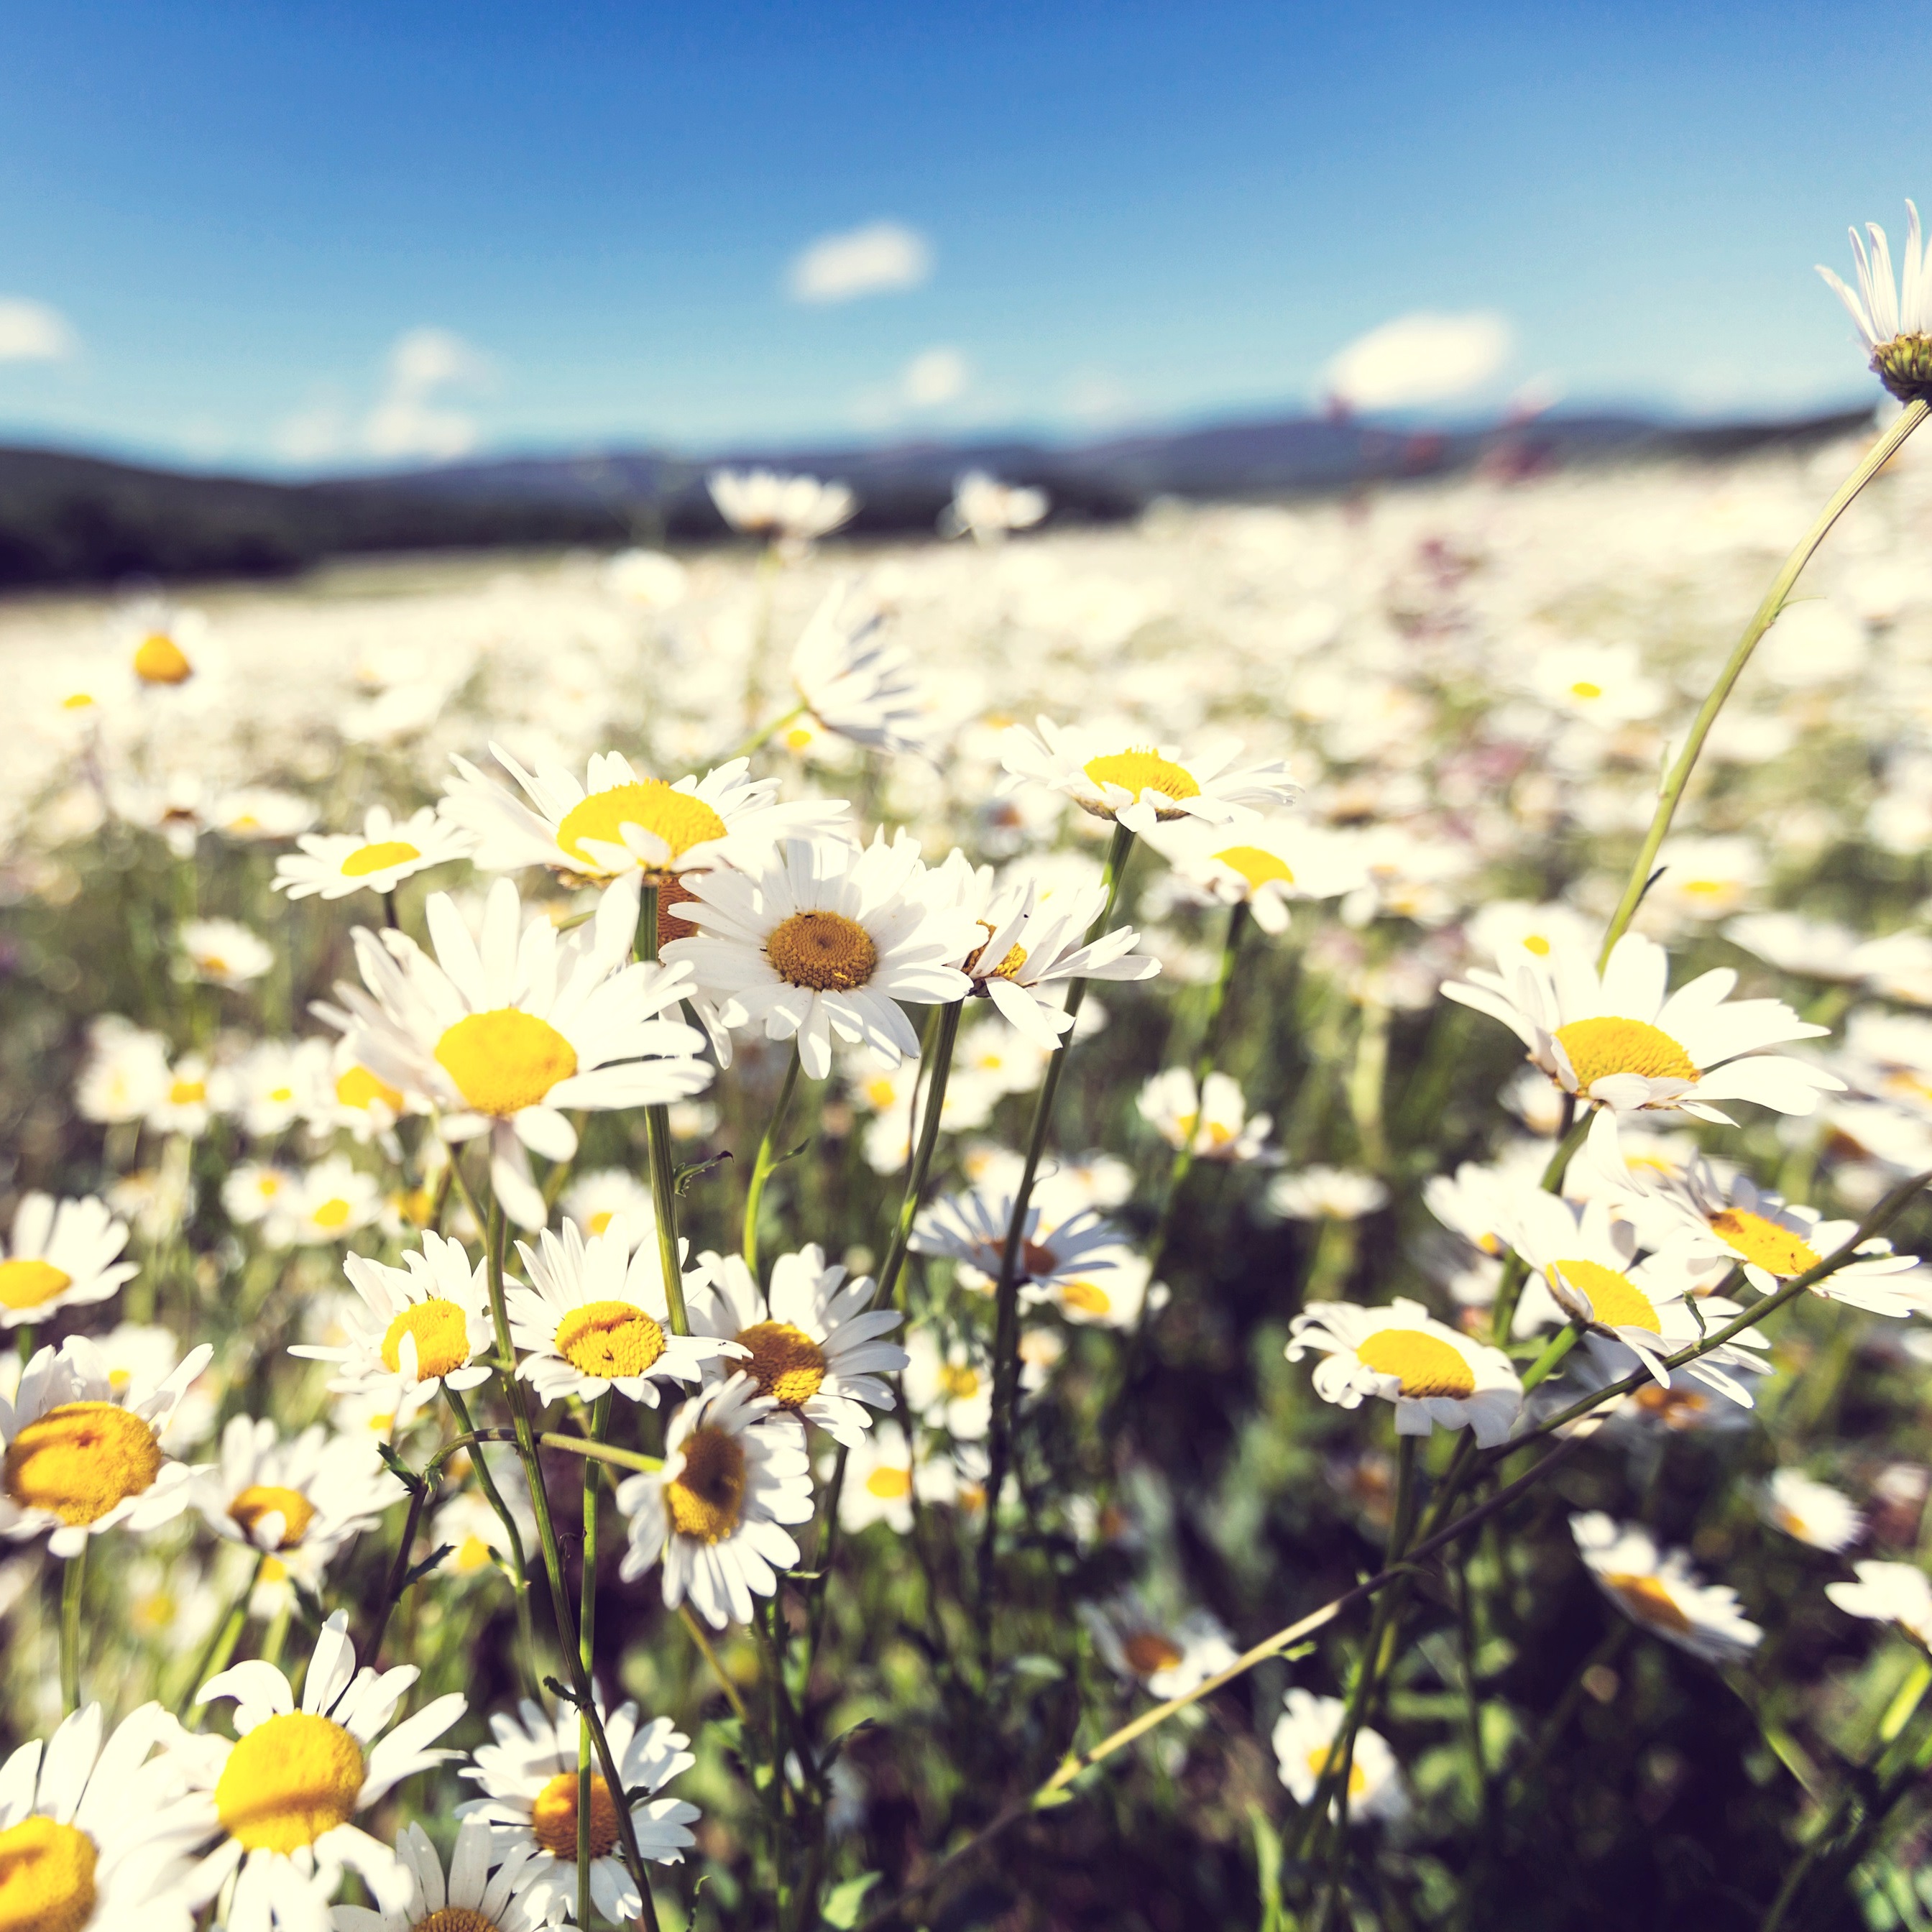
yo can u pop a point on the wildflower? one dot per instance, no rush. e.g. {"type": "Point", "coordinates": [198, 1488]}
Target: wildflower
{"type": "Point", "coordinates": [276, 1082]}
{"type": "Point", "coordinates": [594, 1200]}
{"type": "Point", "coordinates": [299, 1500]}
{"type": "Point", "coordinates": [1435, 1376]}
{"type": "Point", "coordinates": [1214, 1121]}
{"type": "Point", "coordinates": [192, 1094]}
{"type": "Point", "coordinates": [224, 952]}
{"type": "Point", "coordinates": [1266, 864]}
{"type": "Point", "coordinates": [827, 940]}
{"type": "Point", "coordinates": [80, 1458]}
{"type": "Point", "coordinates": [251, 1189]}
{"type": "Point", "coordinates": [126, 1074]}
{"type": "Point", "coordinates": [1305, 1738]}
{"type": "Point", "coordinates": [330, 1202]}
{"type": "Point", "coordinates": [1061, 1250]}
{"type": "Point", "coordinates": [1660, 1593]}
{"type": "Point", "coordinates": [948, 1385]}
{"type": "Point", "coordinates": [1318, 1192]}
{"type": "Point", "coordinates": [1896, 1593]}
{"type": "Point", "coordinates": [388, 851]}
{"type": "Point", "coordinates": [883, 1477]}
{"type": "Point", "coordinates": [1167, 1657]}
{"type": "Point", "coordinates": [346, 1093]}
{"type": "Point", "coordinates": [62, 1254]}
{"type": "Point", "coordinates": [1619, 1040]}
{"type": "Point", "coordinates": [1813, 1512]}
{"type": "Point", "coordinates": [1110, 775]}
{"type": "Point", "coordinates": [259, 814]}
{"type": "Point", "coordinates": [281, 1799]}
{"type": "Point", "coordinates": [1705, 878]}
{"type": "Point", "coordinates": [812, 1342]}
{"type": "Point", "coordinates": [530, 1779]}
{"type": "Point", "coordinates": [1604, 683]}
{"type": "Point", "coordinates": [502, 1039]}
{"type": "Point", "coordinates": [854, 682]}
{"type": "Point", "coordinates": [791, 510]}
{"type": "Point", "coordinates": [595, 1319]}
{"type": "Point", "coordinates": [1510, 931]}
{"type": "Point", "coordinates": [985, 509]}
{"type": "Point", "coordinates": [733, 1474]}
{"type": "Point", "coordinates": [484, 1894]}
{"type": "Point", "coordinates": [1894, 324]}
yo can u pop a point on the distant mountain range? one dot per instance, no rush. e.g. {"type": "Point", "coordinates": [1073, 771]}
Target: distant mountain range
{"type": "Point", "coordinates": [69, 519]}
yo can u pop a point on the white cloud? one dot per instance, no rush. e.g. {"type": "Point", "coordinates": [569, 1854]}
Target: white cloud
{"type": "Point", "coordinates": [872, 260]}
{"type": "Point", "coordinates": [312, 435]}
{"type": "Point", "coordinates": [1093, 397]}
{"type": "Point", "coordinates": [30, 331]}
{"type": "Point", "coordinates": [1423, 357]}
{"type": "Point", "coordinates": [412, 419]}
{"type": "Point", "coordinates": [933, 378]}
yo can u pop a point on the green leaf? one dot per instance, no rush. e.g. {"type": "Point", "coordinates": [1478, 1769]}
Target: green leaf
{"type": "Point", "coordinates": [842, 1902]}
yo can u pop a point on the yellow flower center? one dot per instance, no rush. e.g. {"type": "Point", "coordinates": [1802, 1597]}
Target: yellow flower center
{"type": "Point", "coordinates": [1257, 867]}
{"type": "Point", "coordinates": [1358, 1778]}
{"type": "Point", "coordinates": [889, 1483]}
{"type": "Point", "coordinates": [158, 659]}
{"type": "Point", "coordinates": [1598, 1048]}
{"type": "Point", "coordinates": [959, 1381]}
{"type": "Point", "coordinates": [504, 1061]}
{"type": "Point", "coordinates": [1534, 942]}
{"type": "Point", "coordinates": [46, 1877]}
{"type": "Point", "coordinates": [442, 1331]}
{"type": "Point", "coordinates": [553, 1817]}
{"type": "Point", "coordinates": [360, 1088]}
{"type": "Point", "coordinates": [1760, 1241]}
{"type": "Point", "coordinates": [708, 1493]}
{"type": "Point", "coordinates": [1140, 768]}
{"type": "Point", "coordinates": [1583, 688]}
{"type": "Point", "coordinates": [28, 1283]}
{"type": "Point", "coordinates": [80, 1459]}
{"type": "Point", "coordinates": [1425, 1364]}
{"type": "Point", "coordinates": [1646, 1599]}
{"type": "Point", "coordinates": [825, 951]}
{"type": "Point", "coordinates": [679, 820]}
{"type": "Point", "coordinates": [461, 1919]}
{"type": "Point", "coordinates": [1613, 1299]}
{"type": "Point", "coordinates": [599, 1221]}
{"type": "Point", "coordinates": [1147, 1652]}
{"type": "Point", "coordinates": [265, 1499]}
{"type": "Point", "coordinates": [609, 1339]}
{"type": "Point", "coordinates": [78, 701]}
{"type": "Point", "coordinates": [786, 1362]}
{"type": "Point", "coordinates": [1085, 1297]}
{"type": "Point", "coordinates": [187, 1093]}
{"type": "Point", "coordinates": [332, 1213]}
{"type": "Point", "coordinates": [291, 1779]}
{"type": "Point", "coordinates": [378, 858]}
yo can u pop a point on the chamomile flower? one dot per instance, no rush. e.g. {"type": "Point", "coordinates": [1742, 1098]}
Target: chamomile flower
{"type": "Point", "coordinates": [281, 1799]}
{"type": "Point", "coordinates": [81, 1460]}
{"type": "Point", "coordinates": [1894, 1593]}
{"type": "Point", "coordinates": [790, 510]}
{"type": "Point", "coordinates": [1812, 1511]}
{"type": "Point", "coordinates": [1305, 1738]}
{"type": "Point", "coordinates": [617, 824]}
{"type": "Point", "coordinates": [1895, 324]}
{"type": "Point", "coordinates": [125, 1076]}
{"type": "Point", "coordinates": [483, 1894]}
{"type": "Point", "coordinates": [275, 1083]}
{"type": "Point", "coordinates": [1212, 1121]}
{"type": "Point", "coordinates": [191, 1095]}
{"type": "Point", "coordinates": [853, 681]}
{"type": "Point", "coordinates": [530, 1779]}
{"type": "Point", "coordinates": [329, 1202]}
{"type": "Point", "coordinates": [735, 1472]}
{"type": "Point", "coordinates": [1167, 1657]}
{"type": "Point", "coordinates": [170, 654]}
{"type": "Point", "coordinates": [346, 1093]}
{"type": "Point", "coordinates": [1056, 1248]}
{"type": "Point", "coordinates": [298, 1500]}
{"type": "Point", "coordinates": [92, 1836]}
{"type": "Point", "coordinates": [63, 1254]}
{"type": "Point", "coordinates": [503, 1037]}
{"type": "Point", "coordinates": [1319, 1193]}
{"type": "Point", "coordinates": [251, 1190]}
{"type": "Point", "coordinates": [1619, 1040]}
{"type": "Point", "coordinates": [426, 1323]}
{"type": "Point", "coordinates": [1660, 1593]}
{"type": "Point", "coordinates": [1112, 775]}
{"type": "Point", "coordinates": [825, 941]}
{"type": "Point", "coordinates": [948, 1385]}
{"type": "Point", "coordinates": [224, 952]}
{"type": "Point", "coordinates": [985, 509]}
{"type": "Point", "coordinates": [593, 1201]}
{"type": "Point", "coordinates": [1436, 1376]}
{"type": "Point", "coordinates": [388, 850]}
{"type": "Point", "coordinates": [884, 1478]}
{"type": "Point", "coordinates": [259, 814]}
{"type": "Point", "coordinates": [595, 1318]}
{"type": "Point", "coordinates": [813, 1342]}
{"type": "Point", "coordinates": [1266, 864]}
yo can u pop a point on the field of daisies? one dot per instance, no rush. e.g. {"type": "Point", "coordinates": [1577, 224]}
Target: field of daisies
{"type": "Point", "coordinates": [1212, 1224]}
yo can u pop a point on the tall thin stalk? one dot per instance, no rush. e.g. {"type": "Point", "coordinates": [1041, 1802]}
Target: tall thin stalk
{"type": "Point", "coordinates": [768, 1159]}
{"type": "Point", "coordinates": [657, 1133]}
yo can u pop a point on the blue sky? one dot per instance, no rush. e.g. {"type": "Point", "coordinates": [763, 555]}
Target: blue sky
{"type": "Point", "coordinates": [316, 235]}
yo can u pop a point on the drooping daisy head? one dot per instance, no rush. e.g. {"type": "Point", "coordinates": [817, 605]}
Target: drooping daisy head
{"type": "Point", "coordinates": [1265, 864]}
{"type": "Point", "coordinates": [735, 1471]}
{"type": "Point", "coordinates": [813, 1342]}
{"type": "Point", "coordinates": [1114, 775]}
{"type": "Point", "coordinates": [790, 510]}
{"type": "Point", "coordinates": [485, 1891]}
{"type": "Point", "coordinates": [853, 680]}
{"type": "Point", "coordinates": [595, 1318]}
{"type": "Point", "coordinates": [1168, 1657]}
{"type": "Point", "coordinates": [81, 1459]}
{"type": "Point", "coordinates": [1436, 1376]}
{"type": "Point", "coordinates": [1812, 1511]}
{"type": "Point", "coordinates": [617, 824]}
{"type": "Point", "coordinates": [1660, 1593]}
{"type": "Point", "coordinates": [826, 941]}
{"type": "Point", "coordinates": [529, 1776]}
{"type": "Point", "coordinates": [1894, 323]}
{"type": "Point", "coordinates": [1306, 1736]}
{"type": "Point", "coordinates": [280, 1801]}
{"type": "Point", "coordinates": [62, 1255]}
{"type": "Point", "coordinates": [387, 851]}
{"type": "Point", "coordinates": [1068, 1255]}
{"type": "Point", "coordinates": [985, 509]}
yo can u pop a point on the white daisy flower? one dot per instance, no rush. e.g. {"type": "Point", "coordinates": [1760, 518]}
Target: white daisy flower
{"type": "Point", "coordinates": [252, 1190]}
{"type": "Point", "coordinates": [617, 824]}
{"type": "Point", "coordinates": [482, 1895]}
{"type": "Point", "coordinates": [427, 1323]}
{"type": "Point", "coordinates": [1507, 931]}
{"type": "Point", "coordinates": [1893, 323]}
{"type": "Point", "coordinates": [81, 1460]}
{"type": "Point", "coordinates": [92, 1836]}
{"type": "Point", "coordinates": [985, 509]}
{"type": "Point", "coordinates": [1266, 864]}
{"type": "Point", "coordinates": [1062, 1248]}
{"type": "Point", "coordinates": [329, 1202]}
{"type": "Point", "coordinates": [793, 510]}
{"type": "Point", "coordinates": [125, 1077]}
{"type": "Point", "coordinates": [595, 1318]}
{"type": "Point", "coordinates": [826, 941]}
{"type": "Point", "coordinates": [63, 1254]}
{"type": "Point", "coordinates": [855, 683]}
{"type": "Point", "coordinates": [1212, 1119]}
{"type": "Point", "coordinates": [1319, 1193]}
{"type": "Point", "coordinates": [170, 654]}
{"type": "Point", "coordinates": [948, 1385]}
{"type": "Point", "coordinates": [1660, 1592]}
{"type": "Point", "coordinates": [1167, 1657]}
{"type": "Point", "coordinates": [275, 1084]}
{"type": "Point", "coordinates": [735, 1469]}
{"type": "Point", "coordinates": [1812, 1511]}
{"type": "Point", "coordinates": [812, 1342]}
{"type": "Point", "coordinates": [503, 1037]}
{"type": "Point", "coordinates": [1435, 1376]}
{"type": "Point", "coordinates": [1813, 949]}
{"type": "Point", "coordinates": [1895, 1593]}
{"type": "Point", "coordinates": [1304, 1740]}
{"type": "Point", "coordinates": [282, 1797]}
{"type": "Point", "coordinates": [1620, 1040]}
{"type": "Point", "coordinates": [388, 850]}
{"type": "Point", "coordinates": [298, 1500]}
{"type": "Point", "coordinates": [1605, 683]}
{"type": "Point", "coordinates": [883, 1477]}
{"type": "Point", "coordinates": [347, 1094]}
{"type": "Point", "coordinates": [192, 1092]}
{"type": "Point", "coordinates": [594, 1200]}
{"type": "Point", "coordinates": [530, 1777]}
{"type": "Point", "coordinates": [224, 952]}
{"type": "Point", "coordinates": [1111, 774]}
{"type": "Point", "coordinates": [259, 814]}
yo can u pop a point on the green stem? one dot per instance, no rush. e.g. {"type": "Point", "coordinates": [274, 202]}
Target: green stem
{"type": "Point", "coordinates": [657, 1133]}
{"type": "Point", "coordinates": [1678, 776]}
{"type": "Point", "coordinates": [73, 1576]}
{"type": "Point", "coordinates": [586, 1651]}
{"type": "Point", "coordinates": [519, 1564]}
{"type": "Point", "coordinates": [766, 733]}
{"type": "Point", "coordinates": [222, 1640]}
{"type": "Point", "coordinates": [761, 1169]}
{"type": "Point", "coordinates": [946, 1031]}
